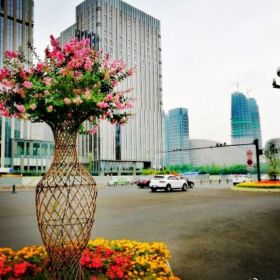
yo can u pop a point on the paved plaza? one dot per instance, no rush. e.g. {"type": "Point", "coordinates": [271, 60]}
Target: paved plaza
{"type": "Point", "coordinates": [211, 231]}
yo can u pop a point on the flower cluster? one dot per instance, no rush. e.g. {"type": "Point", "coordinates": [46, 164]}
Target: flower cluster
{"type": "Point", "coordinates": [147, 260]}
{"type": "Point", "coordinates": [28, 263]}
{"type": "Point", "coordinates": [266, 184]}
{"type": "Point", "coordinates": [73, 83]}
{"type": "Point", "coordinates": [103, 259]}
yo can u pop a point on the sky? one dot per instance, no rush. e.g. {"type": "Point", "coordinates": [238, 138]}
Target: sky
{"type": "Point", "coordinates": [207, 48]}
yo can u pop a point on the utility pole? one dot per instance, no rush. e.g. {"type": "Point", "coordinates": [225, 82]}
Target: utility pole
{"type": "Point", "coordinates": [258, 153]}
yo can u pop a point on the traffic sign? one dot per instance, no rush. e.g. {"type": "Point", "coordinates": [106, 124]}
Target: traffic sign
{"type": "Point", "coordinates": [249, 162]}
{"type": "Point", "coordinates": [249, 153]}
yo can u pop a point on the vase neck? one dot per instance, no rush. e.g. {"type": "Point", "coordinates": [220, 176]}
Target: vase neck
{"type": "Point", "coordinates": [65, 146]}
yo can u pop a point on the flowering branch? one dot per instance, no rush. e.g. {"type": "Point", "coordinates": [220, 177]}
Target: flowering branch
{"type": "Point", "coordinates": [74, 83]}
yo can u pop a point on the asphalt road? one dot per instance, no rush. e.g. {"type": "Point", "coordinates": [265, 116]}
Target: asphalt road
{"type": "Point", "coordinates": [211, 231]}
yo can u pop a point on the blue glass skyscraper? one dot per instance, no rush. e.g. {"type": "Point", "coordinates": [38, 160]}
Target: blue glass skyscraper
{"type": "Point", "coordinates": [177, 136]}
{"type": "Point", "coordinates": [245, 120]}
{"type": "Point", "coordinates": [255, 117]}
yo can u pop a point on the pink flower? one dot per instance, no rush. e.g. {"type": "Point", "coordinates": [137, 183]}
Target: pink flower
{"type": "Point", "coordinates": [88, 64]}
{"type": "Point", "coordinates": [109, 97]}
{"type": "Point", "coordinates": [20, 108]}
{"type": "Point", "coordinates": [4, 73]}
{"type": "Point", "coordinates": [40, 67]}
{"type": "Point", "coordinates": [27, 84]}
{"type": "Point", "coordinates": [46, 92]}
{"type": "Point", "coordinates": [129, 104]}
{"type": "Point", "coordinates": [22, 74]}
{"type": "Point", "coordinates": [102, 105]}
{"type": "Point", "coordinates": [54, 42]}
{"type": "Point", "coordinates": [67, 101]}
{"type": "Point", "coordinates": [87, 94]}
{"type": "Point", "coordinates": [11, 54]}
{"type": "Point", "coordinates": [7, 83]}
{"type": "Point", "coordinates": [50, 108]}
{"type": "Point", "coordinates": [92, 131]}
{"type": "Point", "coordinates": [120, 105]}
{"type": "Point", "coordinates": [130, 72]}
{"type": "Point", "coordinates": [47, 81]}
{"type": "Point", "coordinates": [33, 106]}
{"type": "Point", "coordinates": [114, 83]}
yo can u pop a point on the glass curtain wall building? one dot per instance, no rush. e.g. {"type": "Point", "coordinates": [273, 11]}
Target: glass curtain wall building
{"type": "Point", "coordinates": [131, 35]}
{"type": "Point", "coordinates": [177, 136]}
{"type": "Point", "coordinates": [21, 141]}
{"type": "Point", "coordinates": [255, 117]}
{"type": "Point", "coordinates": [245, 120]}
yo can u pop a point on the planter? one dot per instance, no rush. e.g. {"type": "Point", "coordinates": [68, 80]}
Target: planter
{"type": "Point", "coordinates": [65, 206]}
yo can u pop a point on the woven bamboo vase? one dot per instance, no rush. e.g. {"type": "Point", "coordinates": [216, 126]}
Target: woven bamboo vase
{"type": "Point", "coordinates": [65, 206]}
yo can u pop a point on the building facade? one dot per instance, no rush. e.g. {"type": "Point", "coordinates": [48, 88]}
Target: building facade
{"type": "Point", "coordinates": [177, 136]}
{"type": "Point", "coordinates": [255, 117]}
{"type": "Point", "coordinates": [131, 35]}
{"type": "Point", "coordinates": [25, 147]}
{"type": "Point", "coordinates": [245, 119]}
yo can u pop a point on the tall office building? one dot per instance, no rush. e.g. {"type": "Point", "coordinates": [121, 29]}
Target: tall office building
{"type": "Point", "coordinates": [131, 35]}
{"type": "Point", "coordinates": [255, 117]}
{"type": "Point", "coordinates": [245, 120]}
{"type": "Point", "coordinates": [23, 144]}
{"type": "Point", "coordinates": [177, 136]}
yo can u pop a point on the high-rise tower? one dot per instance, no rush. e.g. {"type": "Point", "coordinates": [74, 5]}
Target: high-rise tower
{"type": "Point", "coordinates": [129, 34]}
{"type": "Point", "coordinates": [177, 136]}
{"type": "Point", "coordinates": [22, 143]}
{"type": "Point", "coordinates": [245, 120]}
{"type": "Point", "coordinates": [255, 117]}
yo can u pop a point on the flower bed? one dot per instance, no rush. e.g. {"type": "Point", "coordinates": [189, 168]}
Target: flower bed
{"type": "Point", "coordinates": [102, 259]}
{"type": "Point", "coordinates": [260, 185]}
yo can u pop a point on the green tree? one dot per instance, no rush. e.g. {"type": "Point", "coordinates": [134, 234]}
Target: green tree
{"type": "Point", "coordinates": [271, 152]}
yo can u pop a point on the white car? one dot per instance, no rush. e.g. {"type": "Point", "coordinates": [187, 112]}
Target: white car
{"type": "Point", "coordinates": [236, 179]}
{"type": "Point", "coordinates": [167, 183]}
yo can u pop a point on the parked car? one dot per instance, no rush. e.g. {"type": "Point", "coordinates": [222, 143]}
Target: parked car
{"type": "Point", "coordinates": [118, 181]}
{"type": "Point", "coordinates": [236, 179]}
{"type": "Point", "coordinates": [189, 182]}
{"type": "Point", "coordinates": [167, 183]}
{"type": "Point", "coordinates": [144, 182]}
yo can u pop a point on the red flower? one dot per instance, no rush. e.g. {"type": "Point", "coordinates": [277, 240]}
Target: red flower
{"type": "Point", "coordinates": [20, 268]}
{"type": "Point", "coordinates": [115, 272]}
{"type": "Point", "coordinates": [4, 270]}
{"type": "Point", "coordinates": [96, 262]}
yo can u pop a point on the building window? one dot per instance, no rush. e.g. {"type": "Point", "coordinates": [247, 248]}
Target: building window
{"type": "Point", "coordinates": [19, 9]}
{"type": "Point", "coordinates": [10, 32]}
{"type": "Point", "coordinates": [17, 128]}
{"type": "Point", "coordinates": [8, 138]}
{"type": "Point", "coordinates": [44, 149]}
{"type": "Point", "coordinates": [28, 148]}
{"type": "Point", "coordinates": [26, 10]}
{"type": "Point", "coordinates": [118, 142]}
{"type": "Point", "coordinates": [19, 35]}
{"type": "Point", "coordinates": [20, 149]}
{"type": "Point", "coordinates": [1, 40]}
{"type": "Point", "coordinates": [10, 8]}
{"type": "Point", "coordinates": [36, 149]}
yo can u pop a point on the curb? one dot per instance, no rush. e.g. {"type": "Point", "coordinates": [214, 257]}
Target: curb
{"type": "Point", "coordinates": [252, 189]}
